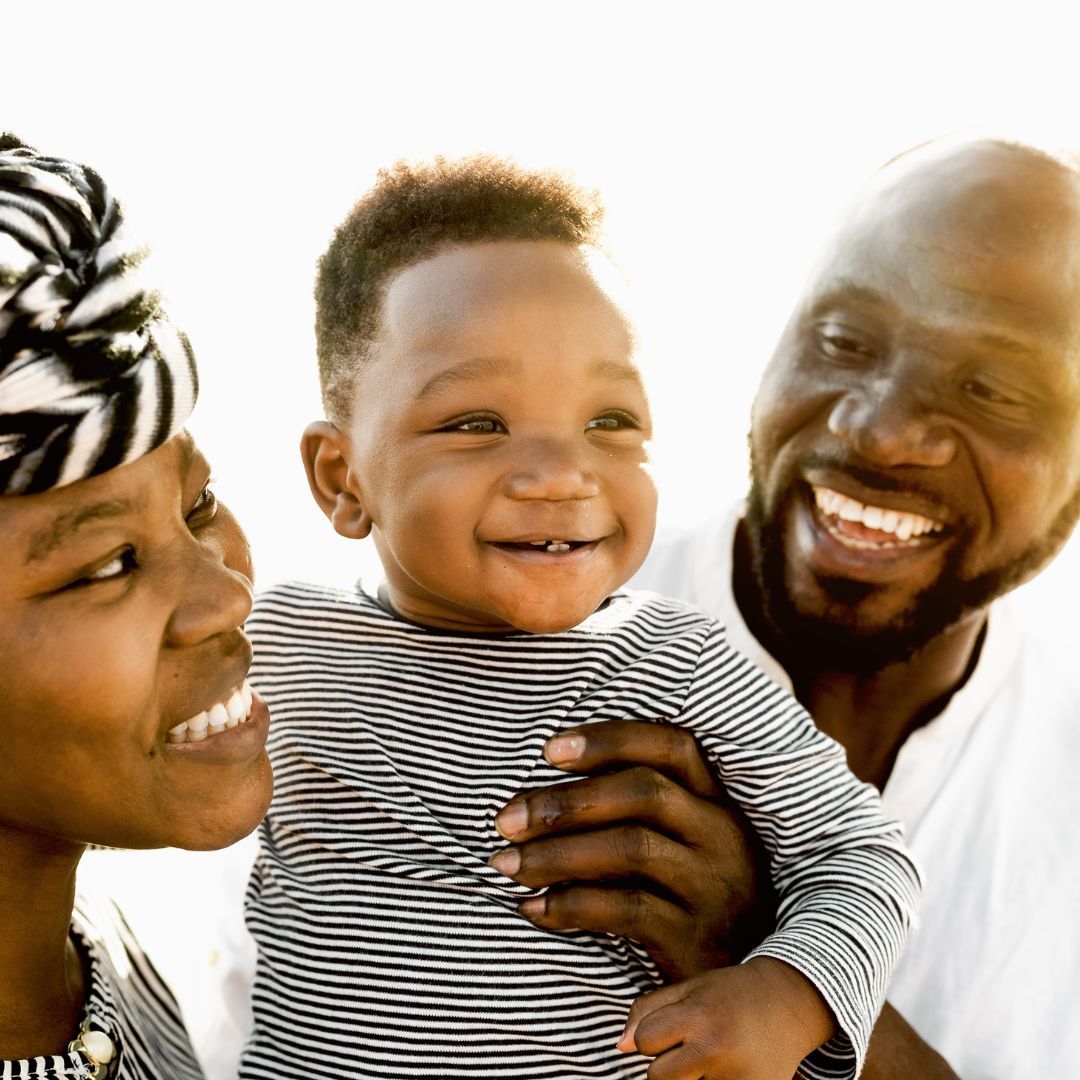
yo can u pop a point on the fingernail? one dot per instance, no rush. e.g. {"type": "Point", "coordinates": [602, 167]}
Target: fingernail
{"type": "Point", "coordinates": [512, 819]}
{"type": "Point", "coordinates": [507, 862]}
{"type": "Point", "coordinates": [563, 749]}
{"type": "Point", "coordinates": [626, 1042]}
{"type": "Point", "coordinates": [533, 908]}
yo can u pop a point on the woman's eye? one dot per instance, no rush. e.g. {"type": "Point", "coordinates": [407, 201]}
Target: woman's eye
{"type": "Point", "coordinates": [205, 507]}
{"type": "Point", "coordinates": [118, 566]}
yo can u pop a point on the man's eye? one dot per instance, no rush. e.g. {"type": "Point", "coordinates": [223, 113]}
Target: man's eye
{"type": "Point", "coordinates": [987, 393]}
{"type": "Point", "coordinates": [204, 508]}
{"type": "Point", "coordinates": [843, 346]}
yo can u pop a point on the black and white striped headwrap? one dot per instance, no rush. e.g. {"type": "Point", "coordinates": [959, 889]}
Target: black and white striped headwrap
{"type": "Point", "coordinates": [92, 374]}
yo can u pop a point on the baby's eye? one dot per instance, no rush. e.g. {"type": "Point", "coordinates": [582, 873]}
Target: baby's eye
{"type": "Point", "coordinates": [477, 425]}
{"type": "Point", "coordinates": [204, 508]}
{"type": "Point", "coordinates": [611, 422]}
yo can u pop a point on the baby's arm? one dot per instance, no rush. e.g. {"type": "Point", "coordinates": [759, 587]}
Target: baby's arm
{"type": "Point", "coordinates": [847, 888]}
{"type": "Point", "coordinates": [756, 1021]}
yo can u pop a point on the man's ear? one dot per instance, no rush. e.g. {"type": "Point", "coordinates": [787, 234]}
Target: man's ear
{"type": "Point", "coordinates": [333, 483]}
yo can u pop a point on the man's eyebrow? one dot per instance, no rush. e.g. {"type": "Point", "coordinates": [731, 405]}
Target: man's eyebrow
{"type": "Point", "coordinates": [847, 289]}
{"type": "Point", "coordinates": [51, 536]}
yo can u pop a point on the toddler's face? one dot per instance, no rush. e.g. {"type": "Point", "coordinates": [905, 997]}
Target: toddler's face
{"type": "Point", "coordinates": [498, 442]}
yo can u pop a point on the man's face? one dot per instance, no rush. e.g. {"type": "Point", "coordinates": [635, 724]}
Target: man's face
{"type": "Point", "coordinates": [916, 438]}
{"type": "Point", "coordinates": [121, 604]}
{"type": "Point", "coordinates": [498, 440]}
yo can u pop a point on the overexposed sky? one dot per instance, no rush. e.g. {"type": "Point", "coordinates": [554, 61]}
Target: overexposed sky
{"type": "Point", "coordinates": [724, 139]}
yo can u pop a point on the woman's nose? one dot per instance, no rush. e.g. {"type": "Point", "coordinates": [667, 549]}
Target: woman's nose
{"type": "Point", "coordinates": [214, 597]}
{"type": "Point", "coordinates": [885, 422]}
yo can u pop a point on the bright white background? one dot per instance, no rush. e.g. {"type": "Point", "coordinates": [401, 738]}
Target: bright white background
{"type": "Point", "coordinates": [724, 138]}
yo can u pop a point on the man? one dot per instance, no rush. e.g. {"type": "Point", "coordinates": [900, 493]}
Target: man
{"type": "Point", "coordinates": [915, 456]}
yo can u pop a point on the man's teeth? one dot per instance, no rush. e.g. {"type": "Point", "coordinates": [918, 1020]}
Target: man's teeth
{"type": "Point", "coordinates": [902, 525]}
{"type": "Point", "coordinates": [234, 710]}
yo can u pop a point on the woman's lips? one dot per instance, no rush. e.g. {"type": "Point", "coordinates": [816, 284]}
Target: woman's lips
{"type": "Point", "coordinates": [243, 740]}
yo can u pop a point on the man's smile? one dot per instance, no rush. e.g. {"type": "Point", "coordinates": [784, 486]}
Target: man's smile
{"type": "Point", "coordinates": [867, 526]}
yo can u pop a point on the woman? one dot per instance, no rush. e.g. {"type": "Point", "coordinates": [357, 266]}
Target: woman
{"type": "Point", "coordinates": [125, 716]}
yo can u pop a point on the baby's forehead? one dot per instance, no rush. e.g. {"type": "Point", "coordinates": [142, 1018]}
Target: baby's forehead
{"type": "Point", "coordinates": [486, 288]}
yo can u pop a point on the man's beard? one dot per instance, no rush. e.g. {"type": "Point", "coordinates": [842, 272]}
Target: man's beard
{"type": "Point", "coordinates": [833, 640]}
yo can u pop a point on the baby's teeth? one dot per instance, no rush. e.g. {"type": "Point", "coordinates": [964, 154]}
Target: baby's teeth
{"type": "Point", "coordinates": [558, 545]}
{"type": "Point", "coordinates": [539, 543]}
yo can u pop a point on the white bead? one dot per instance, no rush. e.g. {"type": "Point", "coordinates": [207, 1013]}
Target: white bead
{"type": "Point", "coordinates": [98, 1046]}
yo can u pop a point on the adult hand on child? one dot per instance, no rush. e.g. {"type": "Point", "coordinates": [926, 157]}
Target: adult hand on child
{"type": "Point", "coordinates": [756, 1021]}
{"type": "Point", "coordinates": [647, 847]}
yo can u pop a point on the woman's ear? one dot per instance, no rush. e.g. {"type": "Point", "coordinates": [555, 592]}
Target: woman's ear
{"type": "Point", "coordinates": [324, 449]}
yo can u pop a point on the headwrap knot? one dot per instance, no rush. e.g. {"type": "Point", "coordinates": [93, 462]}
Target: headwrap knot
{"type": "Point", "coordinates": [92, 374]}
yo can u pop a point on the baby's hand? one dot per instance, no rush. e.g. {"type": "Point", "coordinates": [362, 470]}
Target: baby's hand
{"type": "Point", "coordinates": [756, 1021]}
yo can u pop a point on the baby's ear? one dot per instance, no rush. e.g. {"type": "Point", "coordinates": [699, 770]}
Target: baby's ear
{"type": "Point", "coordinates": [324, 449]}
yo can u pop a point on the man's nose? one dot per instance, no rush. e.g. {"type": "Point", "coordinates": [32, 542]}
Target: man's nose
{"type": "Point", "coordinates": [551, 470]}
{"type": "Point", "coordinates": [887, 422]}
{"type": "Point", "coordinates": [214, 598]}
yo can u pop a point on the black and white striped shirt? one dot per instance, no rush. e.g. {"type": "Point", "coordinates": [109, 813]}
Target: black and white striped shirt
{"type": "Point", "coordinates": [126, 1001]}
{"type": "Point", "coordinates": [387, 945]}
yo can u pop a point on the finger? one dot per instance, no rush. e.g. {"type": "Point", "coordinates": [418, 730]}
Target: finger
{"type": "Point", "coordinates": [630, 913]}
{"type": "Point", "coordinates": [676, 1064]}
{"type": "Point", "coordinates": [613, 743]}
{"type": "Point", "coordinates": [638, 794]}
{"type": "Point", "coordinates": [621, 851]}
{"type": "Point", "coordinates": [643, 1011]}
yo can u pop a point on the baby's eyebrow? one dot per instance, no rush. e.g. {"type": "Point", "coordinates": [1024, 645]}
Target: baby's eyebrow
{"type": "Point", "coordinates": [479, 367]}
{"type": "Point", "coordinates": [51, 536]}
{"type": "Point", "coordinates": [484, 366]}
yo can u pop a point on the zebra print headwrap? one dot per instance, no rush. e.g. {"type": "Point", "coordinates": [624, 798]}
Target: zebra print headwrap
{"type": "Point", "coordinates": [91, 372]}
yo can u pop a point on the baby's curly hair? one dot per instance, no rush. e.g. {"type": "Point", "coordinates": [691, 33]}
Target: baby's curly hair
{"type": "Point", "coordinates": [412, 212]}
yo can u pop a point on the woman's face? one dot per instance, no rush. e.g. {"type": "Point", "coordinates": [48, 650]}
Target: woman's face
{"type": "Point", "coordinates": [121, 604]}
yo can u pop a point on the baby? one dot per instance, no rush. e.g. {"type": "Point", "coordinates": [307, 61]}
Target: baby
{"type": "Point", "coordinates": [488, 429]}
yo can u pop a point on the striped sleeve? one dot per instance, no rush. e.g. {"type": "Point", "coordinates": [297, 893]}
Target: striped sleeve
{"type": "Point", "coordinates": [847, 887]}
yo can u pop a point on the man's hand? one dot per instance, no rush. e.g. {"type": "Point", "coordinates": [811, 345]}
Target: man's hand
{"type": "Point", "coordinates": [756, 1021]}
{"type": "Point", "coordinates": [652, 851]}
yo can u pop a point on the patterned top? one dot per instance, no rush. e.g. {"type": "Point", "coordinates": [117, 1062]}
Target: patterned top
{"type": "Point", "coordinates": [387, 945]}
{"type": "Point", "coordinates": [126, 1001]}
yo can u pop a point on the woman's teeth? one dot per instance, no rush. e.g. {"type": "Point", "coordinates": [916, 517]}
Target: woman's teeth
{"type": "Point", "coordinates": [903, 526]}
{"type": "Point", "coordinates": [236, 709]}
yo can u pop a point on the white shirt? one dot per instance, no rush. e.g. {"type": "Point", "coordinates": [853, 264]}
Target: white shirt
{"type": "Point", "coordinates": [989, 793]}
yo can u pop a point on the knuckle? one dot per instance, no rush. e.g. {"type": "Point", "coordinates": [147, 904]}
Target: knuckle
{"type": "Point", "coordinates": [636, 846]}
{"type": "Point", "coordinates": [648, 785]}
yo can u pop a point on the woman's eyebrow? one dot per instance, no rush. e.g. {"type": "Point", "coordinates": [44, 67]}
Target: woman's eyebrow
{"type": "Point", "coordinates": [51, 536]}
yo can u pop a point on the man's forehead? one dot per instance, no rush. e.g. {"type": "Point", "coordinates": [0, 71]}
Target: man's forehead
{"type": "Point", "coordinates": [985, 233]}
